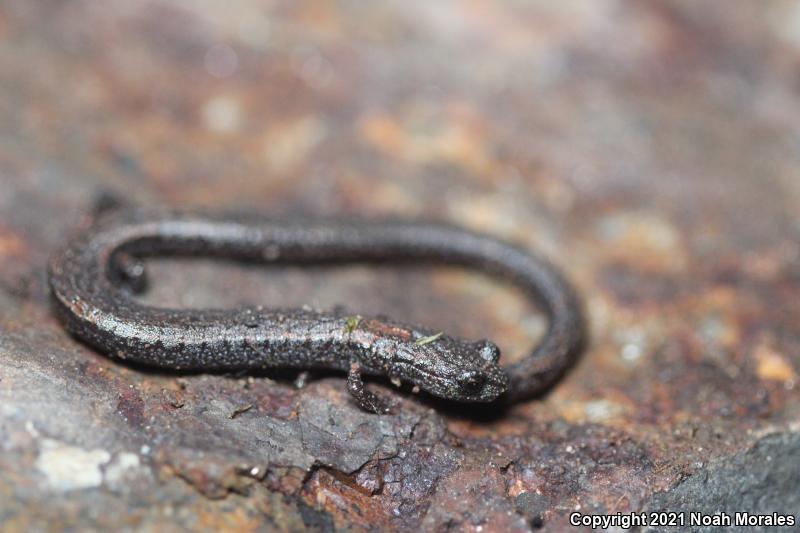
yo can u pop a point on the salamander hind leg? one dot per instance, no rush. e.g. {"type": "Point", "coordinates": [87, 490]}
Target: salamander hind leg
{"type": "Point", "coordinates": [129, 272]}
{"type": "Point", "coordinates": [367, 400]}
{"type": "Point", "coordinates": [302, 379]}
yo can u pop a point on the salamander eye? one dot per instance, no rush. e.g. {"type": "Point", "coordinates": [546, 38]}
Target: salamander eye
{"type": "Point", "coordinates": [471, 380]}
{"type": "Point", "coordinates": [488, 351]}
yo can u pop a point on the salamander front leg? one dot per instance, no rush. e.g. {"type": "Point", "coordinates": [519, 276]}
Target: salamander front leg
{"type": "Point", "coordinates": [367, 400]}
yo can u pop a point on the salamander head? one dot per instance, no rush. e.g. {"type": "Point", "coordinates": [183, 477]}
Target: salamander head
{"type": "Point", "coordinates": [451, 368]}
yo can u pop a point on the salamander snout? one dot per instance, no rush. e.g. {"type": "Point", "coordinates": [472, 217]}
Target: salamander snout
{"type": "Point", "coordinates": [479, 377]}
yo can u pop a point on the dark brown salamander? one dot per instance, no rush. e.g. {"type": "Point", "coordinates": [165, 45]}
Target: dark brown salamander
{"type": "Point", "coordinates": [91, 280]}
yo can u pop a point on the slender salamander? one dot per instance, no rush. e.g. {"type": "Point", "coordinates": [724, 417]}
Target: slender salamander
{"type": "Point", "coordinates": [93, 277]}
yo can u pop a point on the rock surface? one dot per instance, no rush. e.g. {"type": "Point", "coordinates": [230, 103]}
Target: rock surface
{"type": "Point", "coordinates": [651, 148]}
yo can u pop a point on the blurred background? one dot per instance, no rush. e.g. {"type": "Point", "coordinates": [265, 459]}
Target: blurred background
{"type": "Point", "coordinates": [651, 149]}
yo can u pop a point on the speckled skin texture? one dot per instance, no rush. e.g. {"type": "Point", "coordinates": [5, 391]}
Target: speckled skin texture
{"type": "Point", "coordinates": [92, 277]}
